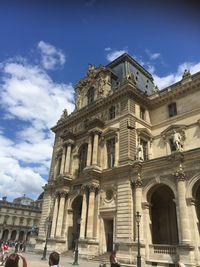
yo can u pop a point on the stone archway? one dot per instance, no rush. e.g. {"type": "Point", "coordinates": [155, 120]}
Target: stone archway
{"type": "Point", "coordinates": [74, 229]}
{"type": "Point", "coordinates": [13, 235]}
{"type": "Point", "coordinates": [196, 196]}
{"type": "Point", "coordinates": [21, 236]}
{"type": "Point", "coordinates": [5, 235]}
{"type": "Point", "coordinates": [163, 216]}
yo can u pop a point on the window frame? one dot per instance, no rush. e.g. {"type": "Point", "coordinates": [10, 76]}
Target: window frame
{"type": "Point", "coordinates": [172, 109]}
{"type": "Point", "coordinates": [111, 152]}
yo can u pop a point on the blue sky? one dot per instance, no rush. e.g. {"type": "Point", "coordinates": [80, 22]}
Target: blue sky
{"type": "Point", "coordinates": [46, 47]}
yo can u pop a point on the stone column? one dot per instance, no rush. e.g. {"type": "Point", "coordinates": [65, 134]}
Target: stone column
{"type": "Point", "coordinates": [17, 235]}
{"type": "Point", "coordinates": [146, 226]}
{"type": "Point", "coordinates": [138, 196]}
{"type": "Point", "coordinates": [55, 216]}
{"type": "Point", "coordinates": [89, 153]}
{"type": "Point", "coordinates": [60, 214]}
{"type": "Point", "coordinates": [62, 167]}
{"type": "Point", "coordinates": [183, 212]}
{"type": "Point", "coordinates": [90, 218]}
{"type": "Point", "coordinates": [116, 149]}
{"type": "Point", "coordinates": [95, 148]}
{"type": "Point", "coordinates": [83, 214]}
{"type": "Point", "coordinates": [68, 158]}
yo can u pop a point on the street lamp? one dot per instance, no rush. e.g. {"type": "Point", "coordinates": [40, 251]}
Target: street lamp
{"type": "Point", "coordinates": [138, 218]}
{"type": "Point", "coordinates": [76, 244]}
{"type": "Point", "coordinates": [47, 226]}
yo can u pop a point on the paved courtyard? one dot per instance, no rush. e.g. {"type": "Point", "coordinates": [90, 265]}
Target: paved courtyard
{"type": "Point", "coordinates": [34, 260]}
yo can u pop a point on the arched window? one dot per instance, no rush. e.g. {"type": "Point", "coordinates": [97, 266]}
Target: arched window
{"type": "Point", "coordinates": [82, 157]}
{"type": "Point", "coordinates": [163, 216]}
{"type": "Point", "coordinates": [90, 95]}
{"type": "Point", "coordinates": [112, 113]}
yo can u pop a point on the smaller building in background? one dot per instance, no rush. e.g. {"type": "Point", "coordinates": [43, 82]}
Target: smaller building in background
{"type": "Point", "coordinates": [20, 218]}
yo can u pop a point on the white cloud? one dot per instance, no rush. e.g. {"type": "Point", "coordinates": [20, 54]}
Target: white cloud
{"type": "Point", "coordinates": [152, 56]}
{"type": "Point", "coordinates": [51, 56]}
{"type": "Point", "coordinates": [31, 97]}
{"type": "Point", "coordinates": [113, 54]}
{"type": "Point", "coordinates": [172, 78]}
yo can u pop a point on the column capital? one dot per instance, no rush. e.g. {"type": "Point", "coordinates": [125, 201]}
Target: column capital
{"type": "Point", "coordinates": [63, 194]}
{"type": "Point", "coordinates": [137, 183]}
{"type": "Point", "coordinates": [180, 174]}
{"type": "Point", "coordinates": [68, 142]}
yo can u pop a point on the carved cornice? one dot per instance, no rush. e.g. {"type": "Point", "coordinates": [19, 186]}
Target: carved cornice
{"type": "Point", "coordinates": [94, 123]}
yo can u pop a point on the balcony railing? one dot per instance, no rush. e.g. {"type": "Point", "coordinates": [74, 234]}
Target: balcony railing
{"type": "Point", "coordinates": [164, 249]}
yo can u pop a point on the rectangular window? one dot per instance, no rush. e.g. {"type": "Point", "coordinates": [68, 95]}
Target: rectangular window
{"type": "Point", "coordinates": [172, 146]}
{"type": "Point", "coordinates": [111, 152]}
{"type": "Point", "coordinates": [144, 145]}
{"type": "Point", "coordinates": [172, 109]}
{"type": "Point", "coordinates": [142, 113]}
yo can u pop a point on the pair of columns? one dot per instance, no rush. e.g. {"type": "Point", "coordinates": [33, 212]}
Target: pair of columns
{"type": "Point", "coordinates": [92, 154]}
{"type": "Point", "coordinates": [63, 159]}
{"type": "Point", "coordinates": [58, 214]}
{"type": "Point", "coordinates": [88, 213]}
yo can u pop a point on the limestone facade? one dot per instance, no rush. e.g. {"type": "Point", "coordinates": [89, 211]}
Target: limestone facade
{"type": "Point", "coordinates": [19, 218]}
{"type": "Point", "coordinates": [127, 148]}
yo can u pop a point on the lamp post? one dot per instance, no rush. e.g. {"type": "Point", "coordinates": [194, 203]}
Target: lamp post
{"type": "Point", "coordinates": [47, 226]}
{"type": "Point", "coordinates": [138, 218]}
{"type": "Point", "coordinates": [76, 244]}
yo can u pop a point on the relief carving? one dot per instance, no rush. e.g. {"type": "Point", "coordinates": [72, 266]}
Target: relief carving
{"type": "Point", "coordinates": [98, 78]}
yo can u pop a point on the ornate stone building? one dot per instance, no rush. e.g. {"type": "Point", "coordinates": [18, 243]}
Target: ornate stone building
{"type": "Point", "coordinates": [127, 148]}
{"type": "Point", "coordinates": [18, 218]}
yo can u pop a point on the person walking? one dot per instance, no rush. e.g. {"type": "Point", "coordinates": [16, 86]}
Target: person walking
{"type": "Point", "coordinates": [113, 259]}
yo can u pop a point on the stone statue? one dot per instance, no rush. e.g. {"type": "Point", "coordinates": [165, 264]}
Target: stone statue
{"type": "Point", "coordinates": [101, 84]}
{"type": "Point", "coordinates": [177, 140]}
{"type": "Point", "coordinates": [140, 152]}
{"type": "Point", "coordinates": [63, 116]}
{"type": "Point", "coordinates": [186, 74]}
{"type": "Point", "coordinates": [78, 102]}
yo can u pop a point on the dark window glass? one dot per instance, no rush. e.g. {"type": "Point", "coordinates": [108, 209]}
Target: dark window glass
{"type": "Point", "coordinates": [112, 113]}
{"type": "Point", "coordinates": [82, 157]}
{"type": "Point", "coordinates": [90, 95]}
{"type": "Point", "coordinates": [111, 152]}
{"type": "Point", "coordinates": [172, 109]}
{"type": "Point", "coordinates": [142, 113]}
{"type": "Point", "coordinates": [172, 146]}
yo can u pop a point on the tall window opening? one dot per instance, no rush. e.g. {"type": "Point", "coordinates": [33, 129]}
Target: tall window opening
{"type": "Point", "coordinates": [82, 157]}
{"type": "Point", "coordinates": [112, 113]}
{"type": "Point", "coordinates": [172, 109]}
{"type": "Point", "coordinates": [90, 95]}
{"type": "Point", "coordinates": [111, 152]}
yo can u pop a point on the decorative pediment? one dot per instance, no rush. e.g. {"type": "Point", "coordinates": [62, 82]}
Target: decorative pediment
{"type": "Point", "coordinates": [111, 131]}
{"type": "Point", "coordinates": [66, 135]}
{"type": "Point", "coordinates": [93, 123]}
{"type": "Point", "coordinates": [144, 132]}
{"type": "Point", "coordinates": [179, 128]}
{"type": "Point", "coordinates": [97, 78]}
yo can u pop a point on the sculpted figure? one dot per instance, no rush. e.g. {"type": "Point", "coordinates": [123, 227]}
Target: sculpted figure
{"type": "Point", "coordinates": [78, 102]}
{"type": "Point", "coordinates": [140, 152]}
{"type": "Point", "coordinates": [177, 140]}
{"type": "Point", "coordinates": [64, 114]}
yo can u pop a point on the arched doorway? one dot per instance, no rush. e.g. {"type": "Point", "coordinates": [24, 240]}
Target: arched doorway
{"type": "Point", "coordinates": [5, 235]}
{"type": "Point", "coordinates": [21, 236]}
{"type": "Point", "coordinates": [196, 192]}
{"type": "Point", "coordinates": [74, 230]}
{"type": "Point", "coordinates": [163, 216]}
{"type": "Point", "coordinates": [13, 235]}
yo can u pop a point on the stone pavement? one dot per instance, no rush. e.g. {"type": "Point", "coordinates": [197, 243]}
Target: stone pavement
{"type": "Point", "coordinates": [34, 260]}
